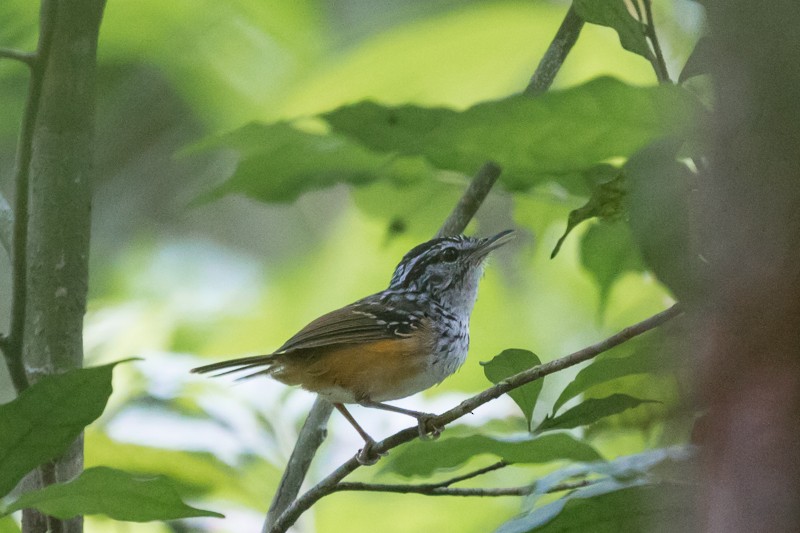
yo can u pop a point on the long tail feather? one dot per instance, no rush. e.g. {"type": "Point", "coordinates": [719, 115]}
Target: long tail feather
{"type": "Point", "coordinates": [237, 365]}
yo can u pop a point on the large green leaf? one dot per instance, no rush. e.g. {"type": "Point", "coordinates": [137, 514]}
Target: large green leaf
{"type": "Point", "coordinates": [278, 162]}
{"type": "Point", "coordinates": [510, 362]}
{"type": "Point", "coordinates": [47, 417]}
{"type": "Point", "coordinates": [557, 135]}
{"type": "Point", "coordinates": [660, 215]}
{"type": "Point", "coordinates": [615, 14]}
{"type": "Point", "coordinates": [612, 507]}
{"type": "Point", "coordinates": [646, 357]}
{"type": "Point", "coordinates": [7, 525]}
{"type": "Point", "coordinates": [114, 493]}
{"type": "Point", "coordinates": [607, 252]}
{"type": "Point", "coordinates": [591, 411]}
{"type": "Point", "coordinates": [421, 458]}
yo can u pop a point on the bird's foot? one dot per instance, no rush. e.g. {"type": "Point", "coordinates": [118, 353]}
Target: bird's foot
{"type": "Point", "coordinates": [427, 429]}
{"type": "Point", "coordinates": [367, 456]}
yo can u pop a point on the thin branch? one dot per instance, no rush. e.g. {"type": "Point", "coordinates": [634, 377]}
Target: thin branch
{"type": "Point", "coordinates": [438, 490]}
{"type": "Point", "coordinates": [556, 53]}
{"type": "Point", "coordinates": [469, 475]}
{"type": "Point", "coordinates": [310, 438]}
{"type": "Point", "coordinates": [29, 58]}
{"type": "Point", "coordinates": [329, 484]}
{"type": "Point", "coordinates": [659, 65]}
{"type": "Point", "coordinates": [471, 200]}
{"type": "Point", "coordinates": [12, 344]}
{"type": "Point", "coordinates": [313, 432]}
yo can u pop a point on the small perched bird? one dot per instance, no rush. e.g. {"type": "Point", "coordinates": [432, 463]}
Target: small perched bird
{"type": "Point", "coordinates": [389, 345]}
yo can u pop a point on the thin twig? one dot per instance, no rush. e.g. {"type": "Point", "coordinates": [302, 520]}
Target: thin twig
{"type": "Point", "coordinates": [471, 200]}
{"type": "Point", "coordinates": [432, 489]}
{"type": "Point", "coordinates": [29, 58]}
{"type": "Point", "coordinates": [556, 53]}
{"type": "Point", "coordinates": [659, 65]}
{"type": "Point", "coordinates": [12, 345]}
{"type": "Point", "coordinates": [310, 438]}
{"type": "Point", "coordinates": [329, 484]}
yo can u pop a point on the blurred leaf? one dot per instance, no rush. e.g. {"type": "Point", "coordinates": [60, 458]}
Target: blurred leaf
{"type": "Point", "coordinates": [607, 252]}
{"type": "Point", "coordinates": [277, 163]}
{"type": "Point", "coordinates": [421, 458]}
{"type": "Point", "coordinates": [192, 473]}
{"type": "Point", "coordinates": [607, 193]}
{"type": "Point", "coordinates": [660, 189]}
{"type": "Point", "coordinates": [7, 525]}
{"type": "Point", "coordinates": [114, 493]}
{"type": "Point", "coordinates": [643, 360]}
{"type": "Point", "coordinates": [508, 363]}
{"type": "Point", "coordinates": [614, 14]}
{"type": "Point", "coordinates": [47, 417]}
{"type": "Point", "coordinates": [612, 507]}
{"type": "Point", "coordinates": [590, 411]}
{"type": "Point", "coordinates": [700, 60]}
{"type": "Point", "coordinates": [553, 136]}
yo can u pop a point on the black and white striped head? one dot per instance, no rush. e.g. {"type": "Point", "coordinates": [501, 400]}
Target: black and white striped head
{"type": "Point", "coordinates": [447, 268]}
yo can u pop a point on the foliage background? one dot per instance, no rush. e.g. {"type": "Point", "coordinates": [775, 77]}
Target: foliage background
{"type": "Point", "coordinates": [174, 282]}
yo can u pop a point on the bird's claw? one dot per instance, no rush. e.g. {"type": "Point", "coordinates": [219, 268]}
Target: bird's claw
{"type": "Point", "coordinates": [427, 429]}
{"type": "Point", "coordinates": [367, 456]}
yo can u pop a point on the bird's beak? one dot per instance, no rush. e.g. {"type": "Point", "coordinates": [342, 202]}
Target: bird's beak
{"type": "Point", "coordinates": [491, 243]}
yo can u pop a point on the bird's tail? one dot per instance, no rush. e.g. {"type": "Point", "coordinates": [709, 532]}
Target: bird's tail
{"type": "Point", "coordinates": [264, 364]}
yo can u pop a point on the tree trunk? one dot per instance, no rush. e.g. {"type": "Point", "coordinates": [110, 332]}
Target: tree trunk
{"type": "Point", "coordinates": [750, 332]}
{"type": "Point", "coordinates": [59, 221]}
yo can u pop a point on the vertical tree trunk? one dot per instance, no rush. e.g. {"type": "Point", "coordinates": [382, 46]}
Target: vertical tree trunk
{"type": "Point", "coordinates": [751, 332]}
{"type": "Point", "coordinates": [59, 221]}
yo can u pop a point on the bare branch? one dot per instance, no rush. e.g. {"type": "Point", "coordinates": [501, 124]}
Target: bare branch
{"type": "Point", "coordinates": [329, 484]}
{"type": "Point", "coordinates": [29, 58]}
{"type": "Point", "coordinates": [439, 490]}
{"type": "Point", "coordinates": [471, 200]}
{"type": "Point", "coordinates": [556, 53]}
{"type": "Point", "coordinates": [657, 60]}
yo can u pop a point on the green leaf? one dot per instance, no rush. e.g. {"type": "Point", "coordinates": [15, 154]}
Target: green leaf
{"type": "Point", "coordinates": [608, 191]}
{"type": "Point", "coordinates": [47, 417]}
{"type": "Point", "coordinates": [591, 411]}
{"type": "Point", "coordinates": [554, 136]}
{"type": "Point", "coordinates": [607, 252]}
{"type": "Point", "coordinates": [612, 507]}
{"type": "Point", "coordinates": [614, 14]}
{"type": "Point", "coordinates": [645, 358]}
{"type": "Point", "coordinates": [278, 163]}
{"type": "Point", "coordinates": [7, 525]}
{"type": "Point", "coordinates": [114, 493]}
{"type": "Point", "coordinates": [508, 363]}
{"type": "Point", "coordinates": [421, 458]}
{"type": "Point", "coordinates": [660, 191]}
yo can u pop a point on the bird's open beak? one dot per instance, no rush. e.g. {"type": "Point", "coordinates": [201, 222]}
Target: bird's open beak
{"type": "Point", "coordinates": [491, 243]}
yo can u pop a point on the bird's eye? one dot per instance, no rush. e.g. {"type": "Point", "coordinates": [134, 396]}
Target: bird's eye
{"type": "Point", "coordinates": [450, 255]}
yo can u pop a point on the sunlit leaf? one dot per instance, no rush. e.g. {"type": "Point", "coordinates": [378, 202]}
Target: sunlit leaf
{"type": "Point", "coordinates": [590, 411]}
{"type": "Point", "coordinates": [646, 357]}
{"type": "Point", "coordinates": [114, 493]}
{"type": "Point", "coordinates": [278, 162]}
{"type": "Point", "coordinates": [607, 252]}
{"type": "Point", "coordinates": [508, 363]}
{"type": "Point", "coordinates": [7, 525]}
{"type": "Point", "coordinates": [47, 417]}
{"type": "Point", "coordinates": [612, 507]}
{"type": "Point", "coordinates": [421, 458]}
{"type": "Point", "coordinates": [557, 135]}
{"type": "Point", "coordinates": [615, 14]}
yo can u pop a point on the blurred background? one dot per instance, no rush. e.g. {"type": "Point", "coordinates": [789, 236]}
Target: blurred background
{"type": "Point", "coordinates": [179, 283]}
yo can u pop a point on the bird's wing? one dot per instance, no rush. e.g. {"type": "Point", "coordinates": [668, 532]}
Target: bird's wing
{"type": "Point", "coordinates": [364, 321]}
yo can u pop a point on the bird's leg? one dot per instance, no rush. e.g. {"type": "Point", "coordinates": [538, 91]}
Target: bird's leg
{"type": "Point", "coordinates": [427, 430]}
{"type": "Point", "coordinates": [366, 456]}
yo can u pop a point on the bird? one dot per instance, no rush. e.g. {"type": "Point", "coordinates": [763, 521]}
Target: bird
{"type": "Point", "coordinates": [389, 345]}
